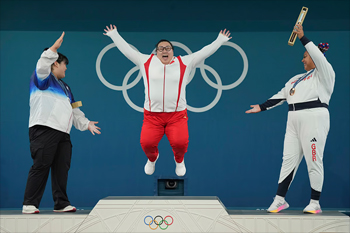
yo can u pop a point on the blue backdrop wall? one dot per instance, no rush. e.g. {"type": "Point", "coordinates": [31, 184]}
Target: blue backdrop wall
{"type": "Point", "coordinates": [232, 155]}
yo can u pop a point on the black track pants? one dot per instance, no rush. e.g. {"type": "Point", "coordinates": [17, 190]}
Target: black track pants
{"type": "Point", "coordinates": [49, 148]}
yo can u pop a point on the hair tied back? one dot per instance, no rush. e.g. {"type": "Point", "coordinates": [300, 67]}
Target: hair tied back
{"type": "Point", "coordinates": [323, 47]}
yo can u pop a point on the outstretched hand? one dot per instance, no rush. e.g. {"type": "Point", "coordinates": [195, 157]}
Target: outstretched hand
{"type": "Point", "coordinates": [298, 29]}
{"type": "Point", "coordinates": [93, 128]}
{"type": "Point", "coordinates": [227, 34]}
{"type": "Point", "coordinates": [255, 109]}
{"type": "Point", "coordinates": [57, 44]}
{"type": "Point", "coordinates": [110, 29]}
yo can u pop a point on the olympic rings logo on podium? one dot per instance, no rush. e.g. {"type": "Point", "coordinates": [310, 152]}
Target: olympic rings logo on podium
{"type": "Point", "coordinates": [158, 224]}
{"type": "Point", "coordinates": [219, 86]}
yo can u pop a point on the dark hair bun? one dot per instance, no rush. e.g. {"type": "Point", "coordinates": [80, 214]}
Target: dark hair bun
{"type": "Point", "coordinates": [323, 47]}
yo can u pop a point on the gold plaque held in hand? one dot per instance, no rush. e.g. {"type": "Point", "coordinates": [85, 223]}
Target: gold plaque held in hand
{"type": "Point", "coordinates": [300, 21]}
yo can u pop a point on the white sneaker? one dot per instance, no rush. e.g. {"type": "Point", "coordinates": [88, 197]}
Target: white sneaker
{"type": "Point", "coordinates": [313, 208]}
{"type": "Point", "coordinates": [150, 166]}
{"type": "Point", "coordinates": [180, 168]}
{"type": "Point", "coordinates": [30, 209]}
{"type": "Point", "coordinates": [67, 209]}
{"type": "Point", "coordinates": [277, 205]}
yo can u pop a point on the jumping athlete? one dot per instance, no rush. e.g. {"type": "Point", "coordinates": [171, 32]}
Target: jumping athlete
{"type": "Point", "coordinates": [308, 97]}
{"type": "Point", "coordinates": [165, 78]}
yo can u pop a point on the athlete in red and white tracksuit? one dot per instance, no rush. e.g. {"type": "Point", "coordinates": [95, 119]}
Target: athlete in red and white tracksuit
{"type": "Point", "coordinates": [308, 97]}
{"type": "Point", "coordinates": [165, 78]}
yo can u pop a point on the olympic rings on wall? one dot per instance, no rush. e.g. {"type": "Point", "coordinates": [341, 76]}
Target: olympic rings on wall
{"type": "Point", "coordinates": [158, 223]}
{"type": "Point", "coordinates": [219, 86]}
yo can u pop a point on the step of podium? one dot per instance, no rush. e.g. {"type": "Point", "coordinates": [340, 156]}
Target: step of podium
{"type": "Point", "coordinates": [173, 214]}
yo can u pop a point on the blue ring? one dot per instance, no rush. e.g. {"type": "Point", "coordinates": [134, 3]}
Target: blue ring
{"type": "Point", "coordinates": [145, 219]}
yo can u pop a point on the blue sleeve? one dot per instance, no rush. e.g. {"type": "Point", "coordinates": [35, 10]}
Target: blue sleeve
{"type": "Point", "coordinates": [40, 84]}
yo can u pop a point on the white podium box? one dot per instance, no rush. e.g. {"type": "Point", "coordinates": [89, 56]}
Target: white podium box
{"type": "Point", "coordinates": [146, 214]}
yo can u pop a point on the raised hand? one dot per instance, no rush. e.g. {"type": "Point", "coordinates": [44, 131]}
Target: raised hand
{"type": "Point", "coordinates": [109, 29]}
{"type": "Point", "coordinates": [93, 128]}
{"type": "Point", "coordinates": [227, 34]}
{"type": "Point", "coordinates": [57, 44]}
{"type": "Point", "coordinates": [298, 29]}
{"type": "Point", "coordinates": [255, 109]}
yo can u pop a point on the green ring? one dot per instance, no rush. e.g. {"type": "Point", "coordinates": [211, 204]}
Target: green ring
{"type": "Point", "coordinates": [165, 224]}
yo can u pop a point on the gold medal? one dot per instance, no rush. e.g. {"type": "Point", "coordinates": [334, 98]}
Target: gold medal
{"type": "Point", "coordinates": [292, 91]}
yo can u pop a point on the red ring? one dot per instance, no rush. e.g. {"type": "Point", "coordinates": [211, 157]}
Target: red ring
{"type": "Point", "coordinates": [171, 221]}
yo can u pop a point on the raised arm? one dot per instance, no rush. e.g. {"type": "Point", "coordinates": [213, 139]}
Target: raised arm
{"type": "Point", "coordinates": [205, 52]}
{"type": "Point", "coordinates": [48, 57]}
{"type": "Point", "coordinates": [122, 45]}
{"type": "Point", "coordinates": [327, 75]}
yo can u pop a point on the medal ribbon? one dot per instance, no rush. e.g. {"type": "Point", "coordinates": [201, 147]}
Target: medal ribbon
{"type": "Point", "coordinates": [302, 78]}
{"type": "Point", "coordinates": [63, 87]}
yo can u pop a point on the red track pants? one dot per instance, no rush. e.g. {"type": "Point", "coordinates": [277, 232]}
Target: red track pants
{"type": "Point", "coordinates": [173, 124]}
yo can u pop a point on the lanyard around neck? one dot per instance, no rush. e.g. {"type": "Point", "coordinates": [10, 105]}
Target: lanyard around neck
{"type": "Point", "coordinates": [302, 78]}
{"type": "Point", "coordinates": [63, 87]}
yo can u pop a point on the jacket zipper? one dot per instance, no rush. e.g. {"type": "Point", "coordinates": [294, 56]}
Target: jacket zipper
{"type": "Point", "coordinates": [164, 88]}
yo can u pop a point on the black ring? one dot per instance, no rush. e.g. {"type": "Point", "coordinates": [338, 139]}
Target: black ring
{"type": "Point", "coordinates": [160, 221]}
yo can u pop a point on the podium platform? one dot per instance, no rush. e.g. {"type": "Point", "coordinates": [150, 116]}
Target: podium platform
{"type": "Point", "coordinates": [171, 214]}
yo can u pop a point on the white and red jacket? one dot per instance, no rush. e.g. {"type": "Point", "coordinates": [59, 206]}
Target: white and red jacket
{"type": "Point", "coordinates": [165, 85]}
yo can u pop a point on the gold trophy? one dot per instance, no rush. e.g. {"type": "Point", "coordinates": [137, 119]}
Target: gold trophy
{"type": "Point", "coordinates": [300, 21]}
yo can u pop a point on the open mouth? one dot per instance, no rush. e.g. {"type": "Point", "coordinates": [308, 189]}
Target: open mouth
{"type": "Point", "coordinates": [165, 56]}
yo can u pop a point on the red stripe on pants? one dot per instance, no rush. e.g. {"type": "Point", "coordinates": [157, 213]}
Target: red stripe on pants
{"type": "Point", "coordinates": [173, 125]}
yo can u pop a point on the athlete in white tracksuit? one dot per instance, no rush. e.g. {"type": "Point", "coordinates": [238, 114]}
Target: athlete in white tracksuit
{"type": "Point", "coordinates": [308, 97]}
{"type": "Point", "coordinates": [165, 110]}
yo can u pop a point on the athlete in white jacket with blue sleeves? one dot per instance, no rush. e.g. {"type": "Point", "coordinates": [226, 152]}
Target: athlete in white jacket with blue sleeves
{"type": "Point", "coordinates": [50, 121]}
{"type": "Point", "coordinates": [308, 97]}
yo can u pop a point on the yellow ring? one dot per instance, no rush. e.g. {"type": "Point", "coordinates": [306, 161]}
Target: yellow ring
{"type": "Point", "coordinates": [151, 223]}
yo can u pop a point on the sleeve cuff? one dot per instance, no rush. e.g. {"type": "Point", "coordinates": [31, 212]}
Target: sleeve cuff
{"type": "Point", "coordinates": [222, 37]}
{"type": "Point", "coordinates": [262, 107]}
{"type": "Point", "coordinates": [110, 33]}
{"type": "Point", "coordinates": [304, 40]}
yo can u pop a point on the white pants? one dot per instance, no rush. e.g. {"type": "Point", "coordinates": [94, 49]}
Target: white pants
{"type": "Point", "coordinates": [306, 135]}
